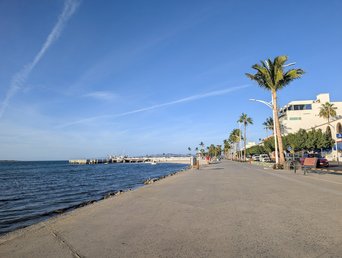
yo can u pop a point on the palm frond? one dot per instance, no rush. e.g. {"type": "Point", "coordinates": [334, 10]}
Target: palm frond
{"type": "Point", "coordinates": [271, 75]}
{"type": "Point", "coordinates": [280, 60]}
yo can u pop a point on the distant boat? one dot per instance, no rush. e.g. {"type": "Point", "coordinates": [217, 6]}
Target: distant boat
{"type": "Point", "coordinates": [151, 162]}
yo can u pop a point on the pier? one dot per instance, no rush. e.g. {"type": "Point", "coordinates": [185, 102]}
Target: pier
{"type": "Point", "coordinates": [181, 160]}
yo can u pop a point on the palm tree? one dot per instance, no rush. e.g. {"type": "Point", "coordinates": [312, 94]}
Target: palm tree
{"type": "Point", "coordinates": [226, 147]}
{"type": "Point", "coordinates": [245, 120]}
{"type": "Point", "coordinates": [218, 151]}
{"type": "Point", "coordinates": [268, 124]}
{"type": "Point", "coordinates": [211, 150]}
{"type": "Point", "coordinates": [327, 111]}
{"type": "Point", "coordinates": [189, 149]}
{"type": "Point", "coordinates": [234, 136]}
{"type": "Point", "coordinates": [271, 76]}
{"type": "Point", "coordinates": [202, 147]}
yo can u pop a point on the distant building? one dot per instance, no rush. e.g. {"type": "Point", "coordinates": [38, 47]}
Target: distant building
{"type": "Point", "coordinates": [304, 114]}
{"type": "Point", "coordinates": [250, 144]}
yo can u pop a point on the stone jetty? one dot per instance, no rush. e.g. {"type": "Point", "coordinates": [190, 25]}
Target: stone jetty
{"type": "Point", "coordinates": [181, 160]}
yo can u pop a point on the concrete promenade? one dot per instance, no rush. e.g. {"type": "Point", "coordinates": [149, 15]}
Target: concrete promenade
{"type": "Point", "coordinates": [223, 210]}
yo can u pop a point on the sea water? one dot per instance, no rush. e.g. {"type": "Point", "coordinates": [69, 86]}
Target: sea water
{"type": "Point", "coordinates": [33, 191]}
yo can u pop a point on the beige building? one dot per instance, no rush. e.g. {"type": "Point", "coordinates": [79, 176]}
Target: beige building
{"type": "Point", "coordinates": [304, 114]}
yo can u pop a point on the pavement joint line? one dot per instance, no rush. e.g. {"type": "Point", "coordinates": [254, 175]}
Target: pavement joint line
{"type": "Point", "coordinates": [64, 242]}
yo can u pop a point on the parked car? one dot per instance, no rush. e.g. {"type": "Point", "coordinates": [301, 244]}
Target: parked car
{"type": "Point", "coordinates": [322, 162]}
{"type": "Point", "coordinates": [290, 157]}
{"type": "Point", "coordinates": [264, 158]}
{"type": "Point", "coordinates": [256, 158]}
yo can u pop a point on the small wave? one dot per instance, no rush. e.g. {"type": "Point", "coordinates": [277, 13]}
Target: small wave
{"type": "Point", "coordinates": [40, 192]}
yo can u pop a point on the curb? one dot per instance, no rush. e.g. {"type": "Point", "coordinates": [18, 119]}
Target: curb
{"type": "Point", "coordinates": [330, 170]}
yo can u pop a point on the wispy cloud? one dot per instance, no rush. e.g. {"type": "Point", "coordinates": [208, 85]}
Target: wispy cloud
{"type": "Point", "coordinates": [19, 79]}
{"type": "Point", "coordinates": [100, 95]}
{"type": "Point", "coordinates": [178, 101]}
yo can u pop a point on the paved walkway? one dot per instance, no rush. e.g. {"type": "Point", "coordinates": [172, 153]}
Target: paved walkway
{"type": "Point", "coordinates": [225, 210]}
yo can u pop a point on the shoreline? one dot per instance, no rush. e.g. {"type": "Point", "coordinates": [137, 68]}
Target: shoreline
{"type": "Point", "coordinates": [56, 214]}
{"type": "Point", "coordinates": [223, 210]}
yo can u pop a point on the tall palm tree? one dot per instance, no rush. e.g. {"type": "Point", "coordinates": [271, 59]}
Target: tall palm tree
{"type": "Point", "coordinates": [189, 149]}
{"type": "Point", "coordinates": [218, 151]}
{"type": "Point", "coordinates": [271, 76]}
{"type": "Point", "coordinates": [211, 150]}
{"type": "Point", "coordinates": [245, 120]}
{"type": "Point", "coordinates": [226, 147]}
{"type": "Point", "coordinates": [268, 124]}
{"type": "Point", "coordinates": [327, 111]}
{"type": "Point", "coordinates": [202, 148]}
{"type": "Point", "coordinates": [234, 137]}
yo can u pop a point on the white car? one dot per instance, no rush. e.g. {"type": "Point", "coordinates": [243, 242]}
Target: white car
{"type": "Point", "coordinates": [256, 157]}
{"type": "Point", "coordinates": [264, 158]}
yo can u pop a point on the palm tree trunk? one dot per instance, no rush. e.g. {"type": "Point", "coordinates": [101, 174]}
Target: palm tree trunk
{"type": "Point", "coordinates": [277, 126]}
{"type": "Point", "coordinates": [245, 139]}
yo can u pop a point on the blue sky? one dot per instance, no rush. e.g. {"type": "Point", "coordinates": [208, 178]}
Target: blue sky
{"type": "Point", "coordinates": [91, 78]}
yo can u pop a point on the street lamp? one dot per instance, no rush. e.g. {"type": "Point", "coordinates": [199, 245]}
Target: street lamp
{"type": "Point", "coordinates": [336, 146]}
{"type": "Point", "coordinates": [270, 105]}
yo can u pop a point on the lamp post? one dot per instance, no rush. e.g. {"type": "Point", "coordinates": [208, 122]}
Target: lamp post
{"type": "Point", "coordinates": [336, 146]}
{"type": "Point", "coordinates": [238, 142]}
{"type": "Point", "coordinates": [270, 105]}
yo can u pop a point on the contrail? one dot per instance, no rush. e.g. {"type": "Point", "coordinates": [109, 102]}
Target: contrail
{"type": "Point", "coordinates": [18, 80]}
{"type": "Point", "coordinates": [182, 100]}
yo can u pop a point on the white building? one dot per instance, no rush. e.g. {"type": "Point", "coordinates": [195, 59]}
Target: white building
{"type": "Point", "coordinates": [250, 144]}
{"type": "Point", "coordinates": [304, 114]}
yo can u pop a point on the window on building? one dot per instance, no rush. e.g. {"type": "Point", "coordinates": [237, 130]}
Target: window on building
{"type": "Point", "coordinates": [302, 107]}
{"type": "Point", "coordinates": [308, 107]}
{"type": "Point", "coordinates": [339, 128]}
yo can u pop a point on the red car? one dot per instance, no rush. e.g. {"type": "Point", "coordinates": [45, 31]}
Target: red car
{"type": "Point", "coordinates": [322, 162]}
